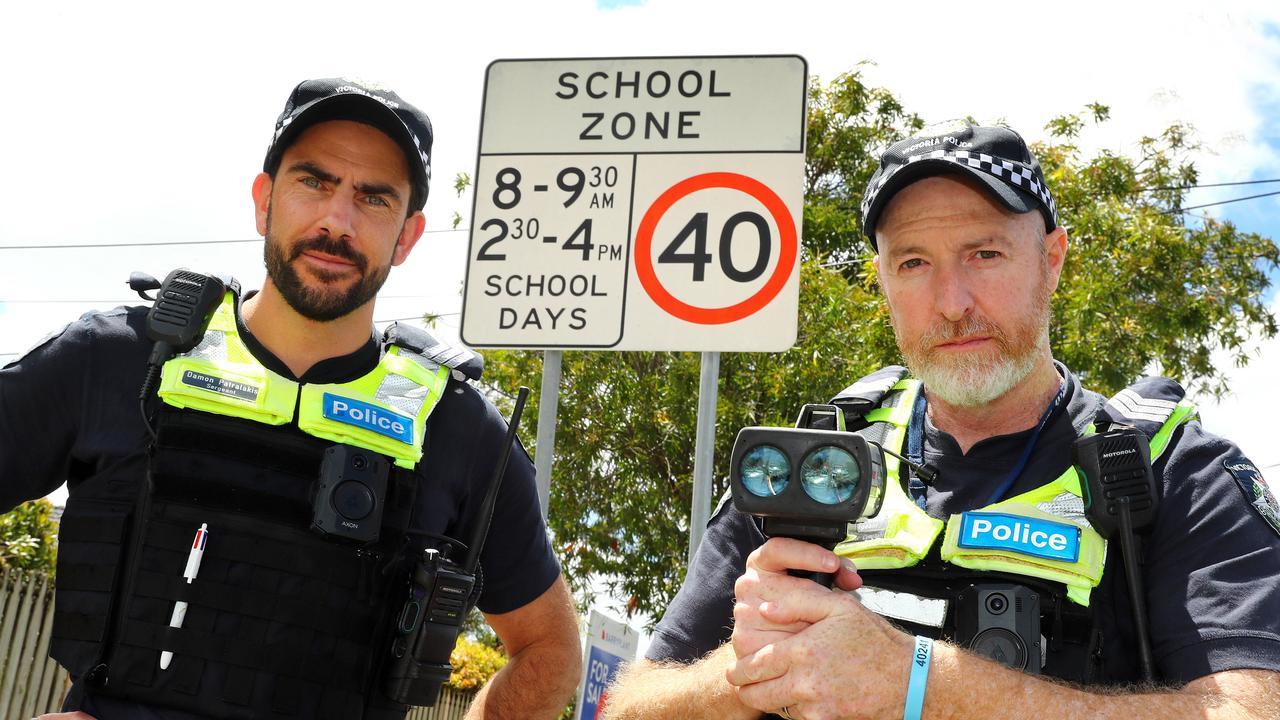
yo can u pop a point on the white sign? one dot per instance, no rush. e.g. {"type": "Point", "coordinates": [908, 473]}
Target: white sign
{"type": "Point", "coordinates": [638, 204]}
{"type": "Point", "coordinates": [609, 644]}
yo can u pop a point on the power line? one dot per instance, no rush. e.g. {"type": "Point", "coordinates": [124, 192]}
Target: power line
{"type": "Point", "coordinates": [388, 320]}
{"type": "Point", "coordinates": [138, 300]}
{"type": "Point", "coordinates": [68, 246]}
{"type": "Point", "coordinates": [1209, 185]}
{"type": "Point", "coordinates": [1220, 202]}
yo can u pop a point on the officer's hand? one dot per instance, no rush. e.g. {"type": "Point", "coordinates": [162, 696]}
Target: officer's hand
{"type": "Point", "coordinates": [67, 716]}
{"type": "Point", "coordinates": [766, 580]}
{"type": "Point", "coordinates": [804, 647]}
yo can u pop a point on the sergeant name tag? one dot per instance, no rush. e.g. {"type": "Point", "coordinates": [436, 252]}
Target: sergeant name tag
{"type": "Point", "coordinates": [1024, 535]}
{"type": "Point", "coordinates": [222, 386]}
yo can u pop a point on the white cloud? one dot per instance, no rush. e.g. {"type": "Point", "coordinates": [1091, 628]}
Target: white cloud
{"type": "Point", "coordinates": [1247, 414]}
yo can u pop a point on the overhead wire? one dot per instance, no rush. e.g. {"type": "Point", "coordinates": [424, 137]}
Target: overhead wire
{"type": "Point", "coordinates": [387, 320]}
{"type": "Point", "coordinates": [165, 243]}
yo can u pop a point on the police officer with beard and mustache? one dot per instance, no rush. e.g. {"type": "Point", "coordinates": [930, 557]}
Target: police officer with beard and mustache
{"type": "Point", "coordinates": [282, 621]}
{"type": "Point", "coordinates": [969, 253]}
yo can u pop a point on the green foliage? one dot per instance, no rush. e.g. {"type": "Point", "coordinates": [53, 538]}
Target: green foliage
{"type": "Point", "coordinates": [474, 664]}
{"type": "Point", "coordinates": [29, 537]}
{"type": "Point", "coordinates": [621, 490]}
{"type": "Point", "coordinates": [1143, 284]}
{"type": "Point", "coordinates": [1140, 287]}
{"type": "Point", "coordinates": [848, 123]}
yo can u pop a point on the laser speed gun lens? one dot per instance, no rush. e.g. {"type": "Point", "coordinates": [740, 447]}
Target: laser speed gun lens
{"type": "Point", "coordinates": [829, 475]}
{"type": "Point", "coordinates": [765, 471]}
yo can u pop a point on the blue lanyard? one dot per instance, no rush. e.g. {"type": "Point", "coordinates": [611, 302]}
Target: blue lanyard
{"type": "Point", "coordinates": [915, 448]}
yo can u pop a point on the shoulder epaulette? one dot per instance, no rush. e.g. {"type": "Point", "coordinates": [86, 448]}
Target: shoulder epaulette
{"type": "Point", "coordinates": [867, 393]}
{"type": "Point", "coordinates": [468, 363]}
{"type": "Point", "coordinates": [1145, 405]}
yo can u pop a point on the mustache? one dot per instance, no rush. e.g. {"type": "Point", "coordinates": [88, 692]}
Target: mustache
{"type": "Point", "coordinates": [329, 246]}
{"type": "Point", "coordinates": [947, 331]}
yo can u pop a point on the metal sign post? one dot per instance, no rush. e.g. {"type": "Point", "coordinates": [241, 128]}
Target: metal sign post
{"type": "Point", "coordinates": [704, 449]}
{"type": "Point", "coordinates": [548, 401]}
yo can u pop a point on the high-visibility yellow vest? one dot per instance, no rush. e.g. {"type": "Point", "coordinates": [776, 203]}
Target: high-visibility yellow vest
{"type": "Point", "coordinates": [1042, 533]}
{"type": "Point", "coordinates": [384, 411]}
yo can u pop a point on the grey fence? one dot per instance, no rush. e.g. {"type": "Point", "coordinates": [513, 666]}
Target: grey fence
{"type": "Point", "coordinates": [31, 683]}
{"type": "Point", "coordinates": [452, 705]}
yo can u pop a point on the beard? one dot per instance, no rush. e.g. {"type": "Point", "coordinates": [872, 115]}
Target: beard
{"type": "Point", "coordinates": [976, 378]}
{"type": "Point", "coordinates": [328, 301]}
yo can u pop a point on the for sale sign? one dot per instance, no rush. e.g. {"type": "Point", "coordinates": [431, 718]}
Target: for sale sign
{"type": "Point", "coordinates": [638, 204]}
{"type": "Point", "coordinates": [609, 644]}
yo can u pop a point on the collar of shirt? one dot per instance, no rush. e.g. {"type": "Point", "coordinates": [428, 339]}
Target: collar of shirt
{"type": "Point", "coordinates": [965, 481]}
{"type": "Point", "coordinates": [339, 369]}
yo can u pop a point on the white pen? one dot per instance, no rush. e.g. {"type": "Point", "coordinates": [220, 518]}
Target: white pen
{"type": "Point", "coordinates": [193, 567]}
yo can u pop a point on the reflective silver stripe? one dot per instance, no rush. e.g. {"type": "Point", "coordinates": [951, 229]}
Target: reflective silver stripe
{"type": "Point", "coordinates": [427, 363]}
{"type": "Point", "coordinates": [448, 354]}
{"type": "Point", "coordinates": [402, 393]}
{"type": "Point", "coordinates": [868, 529]}
{"type": "Point", "coordinates": [904, 606]}
{"type": "Point", "coordinates": [1131, 404]}
{"type": "Point", "coordinates": [212, 347]}
{"type": "Point", "coordinates": [1066, 506]}
{"type": "Point", "coordinates": [871, 388]}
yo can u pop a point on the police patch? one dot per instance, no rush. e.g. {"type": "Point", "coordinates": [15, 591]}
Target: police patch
{"type": "Point", "coordinates": [1255, 490]}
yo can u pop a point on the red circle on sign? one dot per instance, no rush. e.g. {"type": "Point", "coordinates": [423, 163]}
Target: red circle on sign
{"type": "Point", "coordinates": [788, 247]}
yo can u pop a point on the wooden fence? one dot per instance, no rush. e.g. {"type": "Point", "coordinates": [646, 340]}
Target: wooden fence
{"type": "Point", "coordinates": [452, 705]}
{"type": "Point", "coordinates": [31, 683]}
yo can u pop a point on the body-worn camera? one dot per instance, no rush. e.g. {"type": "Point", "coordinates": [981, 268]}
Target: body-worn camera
{"type": "Point", "coordinates": [427, 628]}
{"type": "Point", "coordinates": [804, 483]}
{"type": "Point", "coordinates": [349, 495]}
{"type": "Point", "coordinates": [1001, 621]}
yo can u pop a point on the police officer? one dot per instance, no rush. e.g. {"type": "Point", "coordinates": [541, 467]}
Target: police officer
{"type": "Point", "coordinates": [969, 253]}
{"type": "Point", "coordinates": [282, 620]}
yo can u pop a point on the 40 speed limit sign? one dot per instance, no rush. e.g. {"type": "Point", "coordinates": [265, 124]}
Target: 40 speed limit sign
{"type": "Point", "coordinates": [638, 204]}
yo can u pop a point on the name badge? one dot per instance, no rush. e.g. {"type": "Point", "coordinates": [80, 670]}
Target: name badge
{"type": "Point", "coordinates": [1024, 535]}
{"type": "Point", "coordinates": [369, 417]}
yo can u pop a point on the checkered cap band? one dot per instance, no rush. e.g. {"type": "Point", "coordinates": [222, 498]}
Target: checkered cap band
{"type": "Point", "coordinates": [1020, 175]}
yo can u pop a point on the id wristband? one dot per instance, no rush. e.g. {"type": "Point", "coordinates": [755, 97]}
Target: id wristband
{"type": "Point", "coordinates": [920, 658]}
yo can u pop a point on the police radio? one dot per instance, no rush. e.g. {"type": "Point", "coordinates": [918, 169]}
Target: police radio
{"type": "Point", "coordinates": [438, 599]}
{"type": "Point", "coordinates": [177, 320]}
{"type": "Point", "coordinates": [1120, 498]}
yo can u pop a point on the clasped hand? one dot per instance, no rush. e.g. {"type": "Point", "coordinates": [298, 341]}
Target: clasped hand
{"type": "Point", "coordinates": [815, 651]}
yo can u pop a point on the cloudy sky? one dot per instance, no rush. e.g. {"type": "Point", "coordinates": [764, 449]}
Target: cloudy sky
{"type": "Point", "coordinates": [145, 123]}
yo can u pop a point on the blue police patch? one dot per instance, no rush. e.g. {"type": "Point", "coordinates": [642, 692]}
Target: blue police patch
{"type": "Point", "coordinates": [1255, 489]}
{"type": "Point", "coordinates": [369, 417]}
{"type": "Point", "coordinates": [1024, 535]}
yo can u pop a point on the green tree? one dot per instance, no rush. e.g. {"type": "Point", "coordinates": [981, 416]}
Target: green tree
{"type": "Point", "coordinates": [1143, 286]}
{"type": "Point", "coordinates": [29, 537]}
{"type": "Point", "coordinates": [1144, 282]}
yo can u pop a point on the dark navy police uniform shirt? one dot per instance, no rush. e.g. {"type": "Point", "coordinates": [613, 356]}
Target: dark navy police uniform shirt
{"type": "Point", "coordinates": [69, 408]}
{"type": "Point", "coordinates": [1211, 569]}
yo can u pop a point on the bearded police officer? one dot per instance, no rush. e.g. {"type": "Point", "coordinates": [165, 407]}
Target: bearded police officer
{"type": "Point", "coordinates": [289, 395]}
{"type": "Point", "coordinates": [991, 553]}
